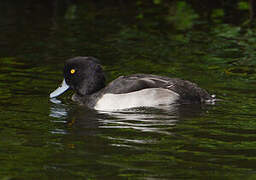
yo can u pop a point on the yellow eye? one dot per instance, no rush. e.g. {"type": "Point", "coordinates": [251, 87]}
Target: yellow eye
{"type": "Point", "coordinates": [72, 71]}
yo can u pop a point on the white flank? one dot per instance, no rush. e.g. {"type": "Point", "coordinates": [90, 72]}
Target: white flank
{"type": "Point", "coordinates": [144, 98]}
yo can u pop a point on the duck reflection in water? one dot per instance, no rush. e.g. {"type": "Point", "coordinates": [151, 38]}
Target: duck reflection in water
{"type": "Point", "coordinates": [160, 120]}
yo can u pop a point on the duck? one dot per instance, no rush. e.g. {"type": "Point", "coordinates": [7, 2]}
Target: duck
{"type": "Point", "coordinates": [84, 75]}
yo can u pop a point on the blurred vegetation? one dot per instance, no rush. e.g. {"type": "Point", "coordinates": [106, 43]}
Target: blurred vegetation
{"type": "Point", "coordinates": [218, 33]}
{"type": "Point", "coordinates": [222, 32]}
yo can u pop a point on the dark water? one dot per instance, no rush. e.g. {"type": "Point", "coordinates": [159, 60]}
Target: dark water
{"type": "Point", "coordinates": [41, 139]}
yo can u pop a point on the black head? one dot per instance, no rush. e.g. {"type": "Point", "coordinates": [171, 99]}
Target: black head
{"type": "Point", "coordinates": [84, 75]}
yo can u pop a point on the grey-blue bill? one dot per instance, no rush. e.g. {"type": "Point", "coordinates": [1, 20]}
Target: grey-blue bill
{"type": "Point", "coordinates": [60, 89]}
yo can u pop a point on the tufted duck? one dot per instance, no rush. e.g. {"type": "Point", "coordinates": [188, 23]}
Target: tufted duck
{"type": "Point", "coordinates": [85, 76]}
